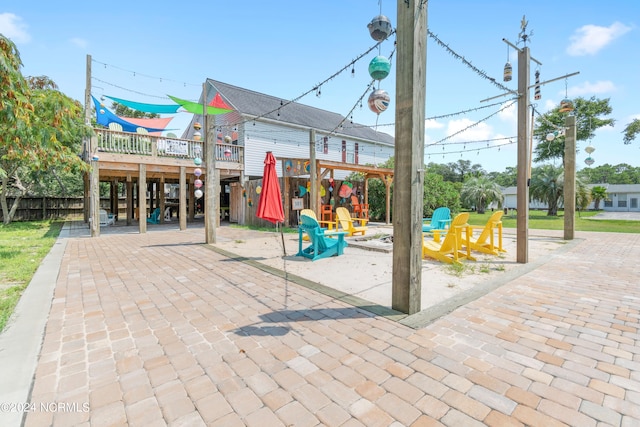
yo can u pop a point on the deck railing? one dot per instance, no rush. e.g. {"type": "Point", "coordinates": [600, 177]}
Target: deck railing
{"type": "Point", "coordinates": [161, 146]}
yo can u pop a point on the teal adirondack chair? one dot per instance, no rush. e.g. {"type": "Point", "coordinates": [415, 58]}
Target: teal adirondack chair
{"type": "Point", "coordinates": [440, 220]}
{"type": "Point", "coordinates": [155, 217]}
{"type": "Point", "coordinates": [322, 246]}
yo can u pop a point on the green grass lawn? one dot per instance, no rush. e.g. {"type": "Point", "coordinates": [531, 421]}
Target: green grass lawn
{"type": "Point", "coordinates": [23, 245]}
{"type": "Point", "coordinates": [540, 220]}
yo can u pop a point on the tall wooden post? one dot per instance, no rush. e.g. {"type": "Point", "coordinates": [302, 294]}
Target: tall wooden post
{"type": "Point", "coordinates": [211, 196]}
{"type": "Point", "coordinates": [314, 196]}
{"type": "Point", "coordinates": [522, 200]}
{"type": "Point", "coordinates": [182, 201]}
{"type": "Point", "coordinates": [569, 177]}
{"type": "Point", "coordinates": [142, 199]}
{"type": "Point", "coordinates": [87, 149]}
{"type": "Point", "coordinates": [411, 39]}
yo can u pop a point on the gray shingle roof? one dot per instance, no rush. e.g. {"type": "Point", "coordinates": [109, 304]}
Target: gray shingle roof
{"type": "Point", "coordinates": [255, 104]}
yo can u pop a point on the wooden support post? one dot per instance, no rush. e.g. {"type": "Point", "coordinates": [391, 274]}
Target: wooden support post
{"type": "Point", "coordinates": [314, 195]}
{"type": "Point", "coordinates": [569, 177]}
{"type": "Point", "coordinates": [142, 199]}
{"type": "Point", "coordinates": [130, 207]}
{"type": "Point", "coordinates": [94, 221]}
{"type": "Point", "coordinates": [182, 194]}
{"type": "Point", "coordinates": [522, 198]}
{"type": "Point", "coordinates": [161, 198]}
{"type": "Point", "coordinates": [411, 38]}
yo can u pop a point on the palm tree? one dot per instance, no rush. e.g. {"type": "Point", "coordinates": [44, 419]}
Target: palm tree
{"type": "Point", "coordinates": [479, 192]}
{"type": "Point", "coordinates": [547, 186]}
{"type": "Point", "coordinates": [598, 193]}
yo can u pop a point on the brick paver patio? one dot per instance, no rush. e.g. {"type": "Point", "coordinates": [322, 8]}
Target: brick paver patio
{"type": "Point", "coordinates": [155, 329]}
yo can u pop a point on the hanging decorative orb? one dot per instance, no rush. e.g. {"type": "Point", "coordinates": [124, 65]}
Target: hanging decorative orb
{"type": "Point", "coordinates": [227, 152]}
{"type": "Point", "coordinates": [508, 72]}
{"type": "Point", "coordinates": [197, 183]}
{"type": "Point", "coordinates": [197, 136]}
{"type": "Point", "coordinates": [197, 161]}
{"type": "Point", "coordinates": [566, 105]}
{"type": "Point", "coordinates": [379, 67]}
{"type": "Point", "coordinates": [379, 28]}
{"type": "Point", "coordinates": [197, 126]}
{"type": "Point", "coordinates": [589, 161]}
{"type": "Point", "coordinates": [227, 139]}
{"type": "Point", "coordinates": [197, 172]}
{"type": "Point", "coordinates": [589, 149]}
{"type": "Point", "coordinates": [379, 101]}
{"type": "Point", "coordinates": [198, 193]}
{"type": "Point", "coordinates": [550, 136]}
{"type": "Point", "coordinates": [101, 111]}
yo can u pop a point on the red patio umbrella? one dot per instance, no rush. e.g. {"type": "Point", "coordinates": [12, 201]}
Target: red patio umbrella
{"type": "Point", "coordinates": [270, 202]}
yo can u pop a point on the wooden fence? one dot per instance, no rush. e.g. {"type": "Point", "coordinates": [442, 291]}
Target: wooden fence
{"type": "Point", "coordinates": [39, 208]}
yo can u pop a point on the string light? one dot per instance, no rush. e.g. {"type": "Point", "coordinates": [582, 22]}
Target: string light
{"type": "Point", "coordinates": [467, 63]}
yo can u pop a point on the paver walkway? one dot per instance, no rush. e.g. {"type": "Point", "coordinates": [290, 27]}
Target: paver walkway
{"type": "Point", "coordinates": [155, 329]}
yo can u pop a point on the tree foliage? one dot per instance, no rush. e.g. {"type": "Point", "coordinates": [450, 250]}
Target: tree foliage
{"type": "Point", "coordinates": [591, 114]}
{"type": "Point", "coordinates": [609, 174]}
{"type": "Point", "coordinates": [631, 131]}
{"type": "Point", "coordinates": [41, 130]}
{"type": "Point", "coordinates": [479, 192]}
{"type": "Point", "coordinates": [437, 192]}
{"type": "Point", "coordinates": [547, 186]}
{"type": "Point", "coordinates": [598, 193]}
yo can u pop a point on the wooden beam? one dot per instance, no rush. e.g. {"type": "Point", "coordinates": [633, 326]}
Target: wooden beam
{"type": "Point", "coordinates": [411, 39]}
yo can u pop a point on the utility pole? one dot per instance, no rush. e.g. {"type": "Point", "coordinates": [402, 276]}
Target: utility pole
{"type": "Point", "coordinates": [524, 162]}
{"type": "Point", "coordinates": [411, 38]}
{"type": "Point", "coordinates": [569, 176]}
{"type": "Point", "coordinates": [524, 141]}
{"type": "Point", "coordinates": [212, 198]}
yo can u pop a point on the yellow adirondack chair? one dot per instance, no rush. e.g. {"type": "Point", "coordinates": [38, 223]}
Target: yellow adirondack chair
{"type": "Point", "coordinates": [343, 218]}
{"type": "Point", "coordinates": [450, 249]}
{"type": "Point", "coordinates": [485, 242]}
{"type": "Point", "coordinates": [324, 224]}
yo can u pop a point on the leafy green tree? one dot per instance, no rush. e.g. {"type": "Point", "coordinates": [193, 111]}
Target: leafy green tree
{"type": "Point", "coordinates": [547, 186]}
{"type": "Point", "coordinates": [631, 131]}
{"type": "Point", "coordinates": [608, 174]}
{"type": "Point", "coordinates": [508, 178]}
{"type": "Point", "coordinates": [598, 193]}
{"type": "Point", "coordinates": [437, 192]}
{"type": "Point", "coordinates": [590, 116]}
{"type": "Point", "coordinates": [41, 130]}
{"type": "Point", "coordinates": [124, 111]}
{"type": "Point", "coordinates": [480, 192]}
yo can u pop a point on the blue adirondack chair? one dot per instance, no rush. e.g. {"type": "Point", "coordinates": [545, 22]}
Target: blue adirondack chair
{"type": "Point", "coordinates": [155, 217]}
{"type": "Point", "coordinates": [440, 220]}
{"type": "Point", "coordinates": [322, 246]}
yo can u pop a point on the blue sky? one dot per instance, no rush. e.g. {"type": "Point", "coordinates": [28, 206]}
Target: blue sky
{"type": "Point", "coordinates": [144, 50]}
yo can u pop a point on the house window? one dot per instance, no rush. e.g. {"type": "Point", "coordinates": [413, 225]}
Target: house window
{"type": "Point", "coordinates": [325, 145]}
{"type": "Point", "coordinates": [622, 200]}
{"type": "Point", "coordinates": [344, 151]}
{"type": "Point", "coordinates": [356, 154]}
{"type": "Point", "coordinates": [634, 203]}
{"type": "Point", "coordinates": [608, 203]}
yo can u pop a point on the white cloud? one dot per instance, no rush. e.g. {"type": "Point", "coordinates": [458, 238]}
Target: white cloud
{"type": "Point", "coordinates": [590, 39]}
{"type": "Point", "coordinates": [82, 43]}
{"type": "Point", "coordinates": [509, 114]}
{"type": "Point", "coordinates": [475, 130]}
{"type": "Point", "coordinates": [588, 88]}
{"type": "Point", "coordinates": [433, 124]}
{"type": "Point", "coordinates": [13, 28]}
